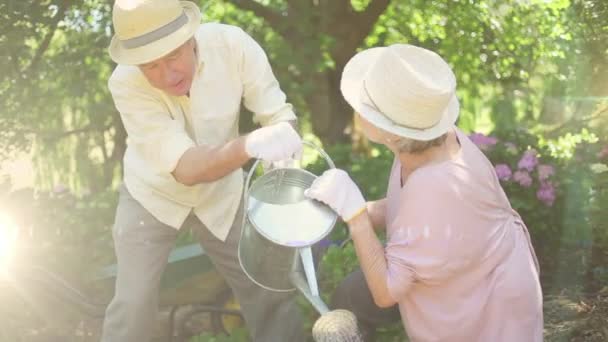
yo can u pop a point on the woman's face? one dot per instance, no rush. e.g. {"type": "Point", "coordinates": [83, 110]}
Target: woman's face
{"type": "Point", "coordinates": [371, 132]}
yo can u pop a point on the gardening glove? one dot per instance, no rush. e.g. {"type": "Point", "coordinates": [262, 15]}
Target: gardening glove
{"type": "Point", "coordinates": [335, 188]}
{"type": "Point", "coordinates": [280, 164]}
{"type": "Point", "coordinates": [292, 162]}
{"type": "Point", "coordinates": [273, 143]}
{"type": "Point", "coordinates": [287, 163]}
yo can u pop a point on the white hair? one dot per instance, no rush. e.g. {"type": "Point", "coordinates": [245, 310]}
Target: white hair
{"type": "Point", "coordinates": [407, 145]}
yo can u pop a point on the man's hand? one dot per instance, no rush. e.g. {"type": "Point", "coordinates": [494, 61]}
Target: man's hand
{"type": "Point", "coordinates": [337, 190]}
{"type": "Point", "coordinates": [274, 143]}
{"type": "Point", "coordinates": [280, 164]}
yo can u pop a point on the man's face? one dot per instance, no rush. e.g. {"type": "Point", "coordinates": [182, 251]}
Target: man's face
{"type": "Point", "coordinates": [173, 72]}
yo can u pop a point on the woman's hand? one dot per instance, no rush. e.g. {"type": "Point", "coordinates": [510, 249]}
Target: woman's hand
{"type": "Point", "coordinates": [336, 189]}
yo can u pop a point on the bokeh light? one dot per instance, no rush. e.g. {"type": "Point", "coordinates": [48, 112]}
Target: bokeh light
{"type": "Point", "coordinates": [8, 241]}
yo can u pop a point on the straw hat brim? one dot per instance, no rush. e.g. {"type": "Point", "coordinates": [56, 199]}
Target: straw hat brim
{"type": "Point", "coordinates": [161, 47]}
{"type": "Point", "coordinates": [353, 91]}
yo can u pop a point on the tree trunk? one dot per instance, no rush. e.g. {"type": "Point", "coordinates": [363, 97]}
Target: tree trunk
{"type": "Point", "coordinates": [308, 24]}
{"type": "Point", "coordinates": [330, 115]}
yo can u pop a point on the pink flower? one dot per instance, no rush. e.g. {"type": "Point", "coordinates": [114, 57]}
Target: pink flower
{"type": "Point", "coordinates": [483, 141]}
{"type": "Point", "coordinates": [503, 171]}
{"type": "Point", "coordinates": [546, 193]}
{"type": "Point", "coordinates": [523, 178]}
{"type": "Point", "coordinates": [528, 160]}
{"type": "Point", "coordinates": [545, 171]}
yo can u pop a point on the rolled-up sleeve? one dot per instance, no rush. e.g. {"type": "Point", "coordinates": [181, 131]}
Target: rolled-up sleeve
{"type": "Point", "coordinates": [261, 91]}
{"type": "Point", "coordinates": [399, 274]}
{"type": "Point", "coordinates": [425, 243]}
{"type": "Point", "coordinates": [159, 139]}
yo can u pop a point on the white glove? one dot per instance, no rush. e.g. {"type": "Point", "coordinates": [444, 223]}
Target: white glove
{"type": "Point", "coordinates": [291, 162]}
{"type": "Point", "coordinates": [287, 163]}
{"type": "Point", "coordinates": [273, 143]}
{"type": "Point", "coordinates": [335, 188]}
{"type": "Point", "coordinates": [280, 164]}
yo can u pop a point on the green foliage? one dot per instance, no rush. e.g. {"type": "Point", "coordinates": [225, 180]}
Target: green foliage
{"type": "Point", "coordinates": [565, 146]}
{"type": "Point", "coordinates": [569, 231]}
{"type": "Point", "coordinates": [521, 66]}
{"type": "Point", "coordinates": [511, 58]}
{"type": "Point", "coordinates": [53, 92]}
{"type": "Point", "coordinates": [573, 180]}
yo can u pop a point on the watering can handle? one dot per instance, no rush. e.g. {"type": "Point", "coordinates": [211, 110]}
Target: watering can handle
{"type": "Point", "coordinates": [319, 150]}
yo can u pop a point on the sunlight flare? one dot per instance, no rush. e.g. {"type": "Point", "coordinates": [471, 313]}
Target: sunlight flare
{"type": "Point", "coordinates": [8, 241]}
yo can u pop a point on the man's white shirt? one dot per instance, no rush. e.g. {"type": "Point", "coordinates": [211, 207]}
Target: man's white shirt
{"type": "Point", "coordinates": [231, 68]}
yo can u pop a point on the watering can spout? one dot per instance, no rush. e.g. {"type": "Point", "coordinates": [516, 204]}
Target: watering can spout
{"type": "Point", "coordinates": [301, 284]}
{"type": "Point", "coordinates": [309, 270]}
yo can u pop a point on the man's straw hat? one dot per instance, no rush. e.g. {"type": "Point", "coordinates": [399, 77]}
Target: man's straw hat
{"type": "Point", "coordinates": [149, 29]}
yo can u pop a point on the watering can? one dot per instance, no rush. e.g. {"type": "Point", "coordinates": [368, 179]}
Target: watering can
{"type": "Point", "coordinates": [280, 225]}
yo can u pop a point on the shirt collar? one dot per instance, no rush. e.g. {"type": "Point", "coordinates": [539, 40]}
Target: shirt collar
{"type": "Point", "coordinates": [200, 56]}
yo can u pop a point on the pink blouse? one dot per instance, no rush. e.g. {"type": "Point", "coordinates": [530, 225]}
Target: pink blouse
{"type": "Point", "coordinates": [460, 262]}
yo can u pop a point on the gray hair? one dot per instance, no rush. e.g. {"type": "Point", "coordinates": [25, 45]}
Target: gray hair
{"type": "Point", "coordinates": [407, 145]}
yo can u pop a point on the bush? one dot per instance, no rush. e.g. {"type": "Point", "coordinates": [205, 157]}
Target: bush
{"type": "Point", "coordinates": [555, 185]}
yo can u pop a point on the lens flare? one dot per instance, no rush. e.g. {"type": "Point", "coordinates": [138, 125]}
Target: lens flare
{"type": "Point", "coordinates": [8, 241]}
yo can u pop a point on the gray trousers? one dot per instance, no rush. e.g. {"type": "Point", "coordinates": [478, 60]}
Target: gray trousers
{"type": "Point", "coordinates": [143, 244]}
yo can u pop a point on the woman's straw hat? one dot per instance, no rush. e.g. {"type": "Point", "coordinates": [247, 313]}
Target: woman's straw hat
{"type": "Point", "coordinates": [403, 89]}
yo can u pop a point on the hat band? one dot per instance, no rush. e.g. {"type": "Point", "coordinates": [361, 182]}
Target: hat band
{"type": "Point", "coordinates": [373, 103]}
{"type": "Point", "coordinates": [157, 34]}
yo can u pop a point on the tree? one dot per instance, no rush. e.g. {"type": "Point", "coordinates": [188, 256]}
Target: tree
{"type": "Point", "coordinates": [509, 57]}
{"type": "Point", "coordinates": [500, 50]}
{"type": "Point", "coordinates": [53, 91]}
{"type": "Point", "coordinates": [324, 34]}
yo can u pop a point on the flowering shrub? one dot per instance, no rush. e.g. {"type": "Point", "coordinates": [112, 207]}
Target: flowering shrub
{"type": "Point", "coordinates": [519, 167]}
{"type": "Point", "coordinates": [559, 188]}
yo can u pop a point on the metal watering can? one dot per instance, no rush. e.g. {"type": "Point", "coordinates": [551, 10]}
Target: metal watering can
{"type": "Point", "coordinates": [279, 227]}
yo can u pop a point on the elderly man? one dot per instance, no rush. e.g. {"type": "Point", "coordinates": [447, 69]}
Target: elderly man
{"type": "Point", "coordinates": [178, 87]}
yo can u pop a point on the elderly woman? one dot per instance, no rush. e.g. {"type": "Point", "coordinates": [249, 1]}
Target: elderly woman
{"type": "Point", "coordinates": [458, 259]}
